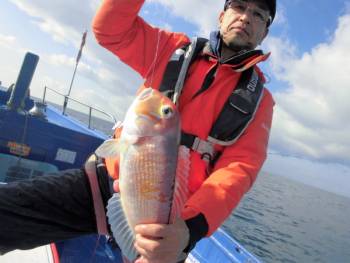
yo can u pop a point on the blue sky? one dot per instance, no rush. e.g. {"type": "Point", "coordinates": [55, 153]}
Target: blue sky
{"type": "Point", "coordinates": [309, 22]}
{"type": "Point", "coordinates": [308, 71]}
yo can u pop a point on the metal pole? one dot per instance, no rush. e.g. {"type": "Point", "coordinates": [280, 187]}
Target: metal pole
{"type": "Point", "coordinates": [70, 89]}
{"type": "Point", "coordinates": [44, 97]}
{"type": "Point", "coordinates": [90, 113]}
{"type": "Point", "coordinates": [71, 83]}
{"type": "Point", "coordinates": [65, 105]}
{"type": "Point", "coordinates": [75, 70]}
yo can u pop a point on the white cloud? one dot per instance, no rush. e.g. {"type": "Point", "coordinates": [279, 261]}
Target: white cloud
{"type": "Point", "coordinates": [206, 12]}
{"type": "Point", "coordinates": [312, 112]}
{"type": "Point", "coordinates": [96, 74]}
{"type": "Point", "coordinates": [168, 27]}
{"type": "Point", "coordinates": [59, 18]}
{"type": "Point", "coordinates": [281, 18]}
{"type": "Point", "coordinates": [6, 40]}
{"type": "Point", "coordinates": [9, 49]}
{"type": "Point", "coordinates": [330, 177]}
{"type": "Point", "coordinates": [58, 32]}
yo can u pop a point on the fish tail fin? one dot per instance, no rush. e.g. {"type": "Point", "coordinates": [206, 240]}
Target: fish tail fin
{"type": "Point", "coordinates": [181, 182]}
{"type": "Point", "coordinates": [121, 230]}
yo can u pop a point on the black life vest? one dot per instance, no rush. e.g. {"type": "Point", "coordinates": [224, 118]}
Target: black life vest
{"type": "Point", "coordinates": [238, 111]}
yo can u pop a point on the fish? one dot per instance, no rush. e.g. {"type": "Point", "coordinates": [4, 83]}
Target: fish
{"type": "Point", "coordinates": [153, 168]}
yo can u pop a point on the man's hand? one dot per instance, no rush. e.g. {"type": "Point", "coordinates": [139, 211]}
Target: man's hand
{"type": "Point", "coordinates": [159, 243]}
{"type": "Point", "coordinates": [116, 186]}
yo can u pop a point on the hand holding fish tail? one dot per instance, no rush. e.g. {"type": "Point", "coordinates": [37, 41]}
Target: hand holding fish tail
{"type": "Point", "coordinates": [159, 243]}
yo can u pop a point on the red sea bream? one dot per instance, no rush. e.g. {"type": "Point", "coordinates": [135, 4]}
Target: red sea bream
{"type": "Point", "coordinates": [153, 168]}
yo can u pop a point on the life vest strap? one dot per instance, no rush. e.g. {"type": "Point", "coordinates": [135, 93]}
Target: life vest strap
{"type": "Point", "coordinates": [101, 220]}
{"type": "Point", "coordinates": [176, 70]}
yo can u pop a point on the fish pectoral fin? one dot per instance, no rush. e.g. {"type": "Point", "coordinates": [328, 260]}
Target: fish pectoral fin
{"type": "Point", "coordinates": [131, 139]}
{"type": "Point", "coordinates": [109, 148]}
{"type": "Point", "coordinates": [181, 182]}
{"type": "Point", "coordinates": [121, 230]}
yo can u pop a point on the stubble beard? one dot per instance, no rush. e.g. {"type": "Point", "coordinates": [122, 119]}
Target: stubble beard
{"type": "Point", "coordinates": [236, 45]}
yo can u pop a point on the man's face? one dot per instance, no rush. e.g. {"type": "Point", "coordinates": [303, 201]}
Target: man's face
{"type": "Point", "coordinates": [243, 25]}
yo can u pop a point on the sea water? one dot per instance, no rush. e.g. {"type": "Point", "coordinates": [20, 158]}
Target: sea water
{"type": "Point", "coordinates": [281, 220]}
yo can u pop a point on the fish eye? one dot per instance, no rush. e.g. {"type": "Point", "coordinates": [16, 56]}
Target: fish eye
{"type": "Point", "coordinates": [167, 112]}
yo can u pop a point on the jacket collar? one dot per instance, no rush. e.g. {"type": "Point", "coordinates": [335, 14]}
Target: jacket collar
{"type": "Point", "coordinates": [245, 56]}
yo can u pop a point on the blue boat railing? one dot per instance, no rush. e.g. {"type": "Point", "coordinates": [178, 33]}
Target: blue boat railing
{"type": "Point", "coordinates": [90, 108]}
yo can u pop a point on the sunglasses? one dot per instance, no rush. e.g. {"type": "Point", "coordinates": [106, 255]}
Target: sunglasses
{"type": "Point", "coordinates": [259, 15]}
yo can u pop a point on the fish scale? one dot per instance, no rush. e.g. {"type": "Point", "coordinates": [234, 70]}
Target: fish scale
{"type": "Point", "coordinates": [146, 167]}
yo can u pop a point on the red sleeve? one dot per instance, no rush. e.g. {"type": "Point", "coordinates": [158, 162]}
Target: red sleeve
{"type": "Point", "coordinates": [235, 171]}
{"type": "Point", "coordinates": [118, 28]}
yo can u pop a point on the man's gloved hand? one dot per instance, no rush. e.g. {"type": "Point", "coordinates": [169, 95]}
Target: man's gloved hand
{"type": "Point", "coordinates": [159, 243]}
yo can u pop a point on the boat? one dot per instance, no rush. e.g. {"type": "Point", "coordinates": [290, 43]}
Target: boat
{"type": "Point", "coordinates": [37, 137]}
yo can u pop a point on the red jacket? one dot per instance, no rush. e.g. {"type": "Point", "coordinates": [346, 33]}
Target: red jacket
{"type": "Point", "coordinates": [147, 50]}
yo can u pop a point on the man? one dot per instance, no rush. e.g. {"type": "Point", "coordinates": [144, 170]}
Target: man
{"type": "Point", "coordinates": [219, 176]}
{"type": "Point", "coordinates": [215, 190]}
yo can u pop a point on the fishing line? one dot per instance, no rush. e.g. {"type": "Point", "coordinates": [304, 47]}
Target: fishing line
{"type": "Point", "coordinates": [153, 65]}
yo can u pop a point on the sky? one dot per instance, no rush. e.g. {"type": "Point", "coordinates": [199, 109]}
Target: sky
{"type": "Point", "coordinates": [308, 71]}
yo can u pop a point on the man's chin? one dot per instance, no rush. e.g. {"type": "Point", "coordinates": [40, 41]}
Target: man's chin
{"type": "Point", "coordinates": [237, 46]}
{"type": "Point", "coordinates": [236, 42]}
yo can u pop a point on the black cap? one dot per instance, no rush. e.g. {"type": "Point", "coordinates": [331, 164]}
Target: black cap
{"type": "Point", "coordinates": [271, 4]}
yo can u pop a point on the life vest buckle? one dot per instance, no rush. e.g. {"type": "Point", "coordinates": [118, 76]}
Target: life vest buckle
{"type": "Point", "coordinates": [204, 148]}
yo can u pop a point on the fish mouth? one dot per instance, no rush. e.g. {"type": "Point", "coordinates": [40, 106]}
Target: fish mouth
{"type": "Point", "coordinates": [143, 125]}
{"type": "Point", "coordinates": [150, 117]}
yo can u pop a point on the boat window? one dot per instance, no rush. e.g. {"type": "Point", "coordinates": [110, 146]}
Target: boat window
{"type": "Point", "coordinates": [14, 168]}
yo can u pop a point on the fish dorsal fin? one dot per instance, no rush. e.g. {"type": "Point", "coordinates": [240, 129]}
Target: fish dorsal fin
{"type": "Point", "coordinates": [121, 230]}
{"type": "Point", "coordinates": [181, 182]}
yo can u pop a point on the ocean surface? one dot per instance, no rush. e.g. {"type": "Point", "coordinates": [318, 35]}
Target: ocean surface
{"type": "Point", "coordinates": [281, 220]}
{"type": "Point", "coordinates": [96, 122]}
